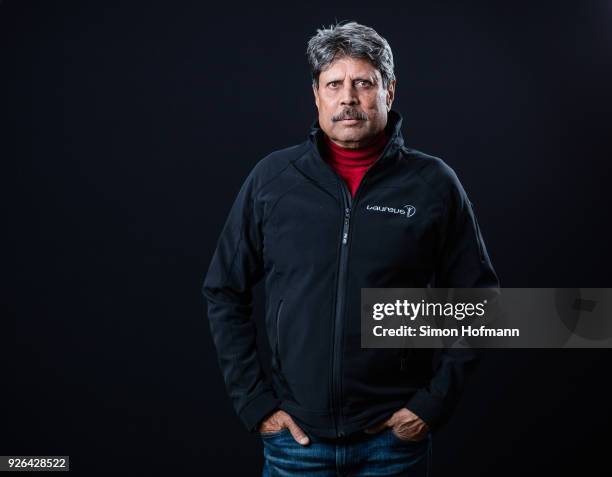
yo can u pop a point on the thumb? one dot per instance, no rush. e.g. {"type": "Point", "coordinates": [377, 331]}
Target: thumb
{"type": "Point", "coordinates": [298, 434]}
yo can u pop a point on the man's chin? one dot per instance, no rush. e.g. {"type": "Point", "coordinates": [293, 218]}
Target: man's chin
{"type": "Point", "coordinates": [350, 135]}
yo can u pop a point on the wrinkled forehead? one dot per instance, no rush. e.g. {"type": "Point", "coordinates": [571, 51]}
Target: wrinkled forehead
{"type": "Point", "coordinates": [353, 67]}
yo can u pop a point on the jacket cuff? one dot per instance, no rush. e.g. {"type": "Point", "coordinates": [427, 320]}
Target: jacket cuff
{"type": "Point", "coordinates": [427, 407]}
{"type": "Point", "coordinates": [257, 409]}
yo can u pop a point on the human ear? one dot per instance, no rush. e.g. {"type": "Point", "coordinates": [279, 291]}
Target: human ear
{"type": "Point", "coordinates": [390, 93]}
{"type": "Point", "coordinates": [316, 95]}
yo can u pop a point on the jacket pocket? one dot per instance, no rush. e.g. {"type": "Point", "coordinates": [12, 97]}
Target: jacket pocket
{"type": "Point", "coordinates": [403, 364]}
{"type": "Point", "coordinates": [277, 341]}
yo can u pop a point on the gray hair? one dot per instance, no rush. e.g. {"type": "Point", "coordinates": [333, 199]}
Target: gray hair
{"type": "Point", "coordinates": [353, 40]}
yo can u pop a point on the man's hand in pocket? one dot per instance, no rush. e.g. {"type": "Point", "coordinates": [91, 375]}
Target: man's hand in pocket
{"type": "Point", "coordinates": [405, 424]}
{"type": "Point", "coordinates": [279, 420]}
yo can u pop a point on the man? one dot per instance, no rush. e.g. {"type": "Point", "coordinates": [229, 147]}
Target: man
{"type": "Point", "coordinates": [351, 207]}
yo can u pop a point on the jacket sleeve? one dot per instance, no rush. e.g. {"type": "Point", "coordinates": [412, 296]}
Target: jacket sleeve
{"type": "Point", "coordinates": [463, 262]}
{"type": "Point", "coordinates": [236, 266]}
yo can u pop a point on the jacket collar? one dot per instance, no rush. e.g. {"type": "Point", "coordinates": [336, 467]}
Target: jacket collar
{"type": "Point", "coordinates": [312, 164]}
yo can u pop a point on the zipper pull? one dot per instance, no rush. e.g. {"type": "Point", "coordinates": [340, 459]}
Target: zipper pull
{"type": "Point", "coordinates": [347, 213]}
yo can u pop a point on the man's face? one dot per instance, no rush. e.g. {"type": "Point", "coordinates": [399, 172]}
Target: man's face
{"type": "Point", "coordinates": [352, 102]}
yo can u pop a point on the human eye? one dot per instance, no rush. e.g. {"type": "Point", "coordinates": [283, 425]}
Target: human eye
{"type": "Point", "coordinates": [364, 83]}
{"type": "Point", "coordinates": [333, 84]}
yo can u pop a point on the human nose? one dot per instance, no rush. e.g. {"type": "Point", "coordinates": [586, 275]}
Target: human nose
{"type": "Point", "coordinates": [348, 96]}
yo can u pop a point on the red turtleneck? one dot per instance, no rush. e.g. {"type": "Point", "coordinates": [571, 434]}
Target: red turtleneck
{"type": "Point", "coordinates": [352, 164]}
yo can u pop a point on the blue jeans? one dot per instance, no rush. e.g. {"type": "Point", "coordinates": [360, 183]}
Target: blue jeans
{"type": "Point", "coordinates": [362, 455]}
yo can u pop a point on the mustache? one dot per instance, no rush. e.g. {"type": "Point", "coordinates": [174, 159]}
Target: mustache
{"type": "Point", "coordinates": [350, 113]}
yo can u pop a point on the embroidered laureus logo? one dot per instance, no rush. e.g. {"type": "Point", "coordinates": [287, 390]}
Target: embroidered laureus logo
{"type": "Point", "coordinates": [406, 211]}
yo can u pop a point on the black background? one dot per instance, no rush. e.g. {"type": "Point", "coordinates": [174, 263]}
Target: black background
{"type": "Point", "coordinates": [128, 130]}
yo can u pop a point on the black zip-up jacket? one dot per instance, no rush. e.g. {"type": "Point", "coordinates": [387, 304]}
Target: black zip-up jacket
{"type": "Point", "coordinates": [295, 224]}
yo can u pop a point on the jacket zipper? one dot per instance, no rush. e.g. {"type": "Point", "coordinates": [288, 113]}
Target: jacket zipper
{"type": "Point", "coordinates": [338, 332]}
{"type": "Point", "coordinates": [347, 204]}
